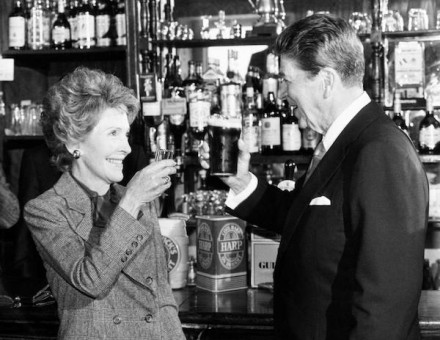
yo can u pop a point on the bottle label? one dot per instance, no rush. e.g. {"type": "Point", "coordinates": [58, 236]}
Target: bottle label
{"type": "Point", "coordinates": [151, 108]}
{"type": "Point", "coordinates": [60, 35]}
{"type": "Point", "coordinates": [198, 114]}
{"type": "Point", "coordinates": [270, 131]}
{"type": "Point", "coordinates": [291, 137]}
{"type": "Point", "coordinates": [286, 184]}
{"type": "Point", "coordinates": [17, 32]}
{"type": "Point", "coordinates": [429, 137]}
{"type": "Point", "coordinates": [74, 29]}
{"type": "Point", "coordinates": [121, 30]}
{"type": "Point", "coordinates": [86, 30]}
{"type": "Point", "coordinates": [102, 30]}
{"type": "Point", "coordinates": [251, 133]}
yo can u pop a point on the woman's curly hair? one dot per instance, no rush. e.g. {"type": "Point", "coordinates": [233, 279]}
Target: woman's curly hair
{"type": "Point", "coordinates": [72, 107]}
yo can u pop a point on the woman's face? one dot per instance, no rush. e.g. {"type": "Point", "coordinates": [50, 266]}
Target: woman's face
{"type": "Point", "coordinates": [103, 151]}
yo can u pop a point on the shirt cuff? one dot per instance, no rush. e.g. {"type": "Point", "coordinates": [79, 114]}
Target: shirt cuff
{"type": "Point", "coordinates": [234, 200]}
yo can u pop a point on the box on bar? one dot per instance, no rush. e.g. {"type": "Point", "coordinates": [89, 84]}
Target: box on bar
{"type": "Point", "coordinates": [221, 253]}
{"type": "Point", "coordinates": [263, 250]}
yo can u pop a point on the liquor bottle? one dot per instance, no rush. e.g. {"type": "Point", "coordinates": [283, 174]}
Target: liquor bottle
{"type": "Point", "coordinates": [271, 127]}
{"type": "Point", "coordinates": [270, 79]}
{"type": "Point", "coordinates": [61, 29]}
{"type": "Point", "coordinates": [86, 25]}
{"type": "Point", "coordinates": [103, 23]}
{"type": "Point", "coordinates": [429, 131]}
{"type": "Point", "coordinates": [36, 26]}
{"type": "Point", "coordinates": [17, 26]}
{"type": "Point", "coordinates": [144, 26]}
{"type": "Point", "coordinates": [199, 110]}
{"type": "Point", "coordinates": [288, 183]}
{"type": "Point", "coordinates": [199, 72]}
{"type": "Point", "coordinates": [212, 77]}
{"type": "Point", "coordinates": [166, 26]}
{"type": "Point", "coordinates": [121, 30]}
{"type": "Point", "coordinates": [251, 126]}
{"type": "Point", "coordinates": [291, 134]}
{"type": "Point", "coordinates": [191, 82]}
{"type": "Point", "coordinates": [47, 23]}
{"type": "Point", "coordinates": [73, 21]}
{"type": "Point", "coordinates": [232, 71]}
{"type": "Point", "coordinates": [152, 9]}
{"type": "Point", "coordinates": [221, 26]}
{"type": "Point", "coordinates": [397, 115]}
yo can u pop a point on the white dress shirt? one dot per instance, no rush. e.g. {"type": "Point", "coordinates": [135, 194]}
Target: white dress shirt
{"type": "Point", "coordinates": [328, 139]}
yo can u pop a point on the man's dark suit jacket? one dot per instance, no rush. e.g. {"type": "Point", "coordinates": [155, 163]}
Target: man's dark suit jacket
{"type": "Point", "coordinates": [349, 265]}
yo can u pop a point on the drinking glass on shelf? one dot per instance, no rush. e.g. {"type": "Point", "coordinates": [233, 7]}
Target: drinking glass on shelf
{"type": "Point", "coordinates": [417, 19]}
{"type": "Point", "coordinates": [361, 22]}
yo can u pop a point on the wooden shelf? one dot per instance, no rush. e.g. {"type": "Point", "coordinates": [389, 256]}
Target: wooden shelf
{"type": "Point", "coordinates": [300, 158]}
{"type": "Point", "coordinates": [73, 53]}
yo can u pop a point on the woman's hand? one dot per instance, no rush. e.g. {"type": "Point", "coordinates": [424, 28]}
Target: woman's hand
{"type": "Point", "coordinates": [147, 185]}
{"type": "Point", "coordinates": [238, 182]}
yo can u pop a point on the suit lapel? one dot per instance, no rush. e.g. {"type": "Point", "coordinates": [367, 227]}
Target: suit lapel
{"type": "Point", "coordinates": [325, 170]}
{"type": "Point", "coordinates": [79, 204]}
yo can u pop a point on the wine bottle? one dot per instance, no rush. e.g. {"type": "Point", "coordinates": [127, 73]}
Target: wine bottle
{"type": "Point", "coordinates": [429, 131]}
{"type": "Point", "coordinates": [17, 27]}
{"type": "Point", "coordinates": [61, 29]}
{"type": "Point", "coordinates": [121, 30]}
{"type": "Point", "coordinates": [271, 127]}
{"type": "Point", "coordinates": [397, 114]}
{"type": "Point", "coordinates": [103, 23]}
{"type": "Point", "coordinates": [86, 25]}
{"type": "Point", "coordinates": [291, 134]}
{"type": "Point", "coordinates": [288, 183]}
{"type": "Point", "coordinates": [251, 127]}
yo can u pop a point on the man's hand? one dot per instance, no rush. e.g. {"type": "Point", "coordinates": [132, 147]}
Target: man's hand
{"type": "Point", "coordinates": [238, 182]}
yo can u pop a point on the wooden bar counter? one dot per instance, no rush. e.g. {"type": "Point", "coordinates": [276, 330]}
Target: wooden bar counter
{"type": "Point", "coordinates": [242, 314]}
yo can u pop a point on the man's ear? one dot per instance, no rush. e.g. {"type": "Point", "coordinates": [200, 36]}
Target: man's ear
{"type": "Point", "coordinates": [329, 79]}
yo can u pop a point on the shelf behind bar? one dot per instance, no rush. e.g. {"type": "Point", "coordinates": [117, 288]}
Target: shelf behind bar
{"type": "Point", "coordinates": [51, 54]}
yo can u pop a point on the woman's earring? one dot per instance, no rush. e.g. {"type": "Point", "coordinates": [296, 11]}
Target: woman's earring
{"type": "Point", "coordinates": [76, 154]}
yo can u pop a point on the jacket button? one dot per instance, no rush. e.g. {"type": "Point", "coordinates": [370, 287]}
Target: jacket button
{"type": "Point", "coordinates": [149, 318]}
{"type": "Point", "coordinates": [124, 258]}
{"type": "Point", "coordinates": [134, 244]}
{"type": "Point", "coordinates": [117, 320]}
{"type": "Point", "coordinates": [139, 237]}
{"type": "Point", "coordinates": [149, 280]}
{"type": "Point", "coordinates": [128, 251]}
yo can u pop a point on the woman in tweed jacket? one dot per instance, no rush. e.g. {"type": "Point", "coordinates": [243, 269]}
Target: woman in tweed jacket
{"type": "Point", "coordinates": [100, 242]}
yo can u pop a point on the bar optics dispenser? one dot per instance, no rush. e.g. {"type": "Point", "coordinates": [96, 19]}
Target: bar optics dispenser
{"type": "Point", "coordinates": [272, 15]}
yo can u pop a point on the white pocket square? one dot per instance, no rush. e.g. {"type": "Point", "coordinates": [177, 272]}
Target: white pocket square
{"type": "Point", "coordinates": [322, 200]}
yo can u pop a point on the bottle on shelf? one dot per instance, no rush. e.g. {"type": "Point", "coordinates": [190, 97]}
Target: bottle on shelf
{"type": "Point", "coordinates": [167, 25]}
{"type": "Point", "coordinates": [47, 23]}
{"type": "Point", "coordinates": [222, 32]}
{"type": "Point", "coordinates": [153, 19]}
{"type": "Point", "coordinates": [271, 127]}
{"type": "Point", "coordinates": [103, 19]}
{"type": "Point", "coordinates": [3, 124]}
{"type": "Point", "coordinates": [232, 73]}
{"type": "Point", "coordinates": [288, 183]}
{"type": "Point", "coordinates": [191, 82]}
{"type": "Point", "coordinates": [86, 25]}
{"type": "Point", "coordinates": [36, 26]}
{"type": "Point", "coordinates": [61, 29]}
{"type": "Point", "coordinates": [270, 79]}
{"type": "Point", "coordinates": [429, 131]}
{"type": "Point", "coordinates": [17, 26]}
{"type": "Point", "coordinates": [291, 134]}
{"type": "Point", "coordinates": [120, 23]}
{"type": "Point", "coordinates": [397, 114]}
{"type": "Point", "coordinates": [144, 29]}
{"type": "Point", "coordinates": [73, 21]}
{"type": "Point", "coordinates": [251, 123]}
{"type": "Point", "coordinates": [212, 77]}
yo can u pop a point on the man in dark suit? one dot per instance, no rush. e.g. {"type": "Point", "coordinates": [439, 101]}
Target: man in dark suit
{"type": "Point", "coordinates": [349, 265]}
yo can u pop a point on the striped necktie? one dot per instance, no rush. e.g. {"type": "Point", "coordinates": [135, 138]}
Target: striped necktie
{"type": "Point", "coordinates": [317, 156]}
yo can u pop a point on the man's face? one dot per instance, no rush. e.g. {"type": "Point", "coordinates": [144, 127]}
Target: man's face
{"type": "Point", "coordinates": [305, 92]}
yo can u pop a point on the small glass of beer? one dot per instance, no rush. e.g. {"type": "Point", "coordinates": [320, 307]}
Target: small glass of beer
{"type": "Point", "coordinates": [224, 133]}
